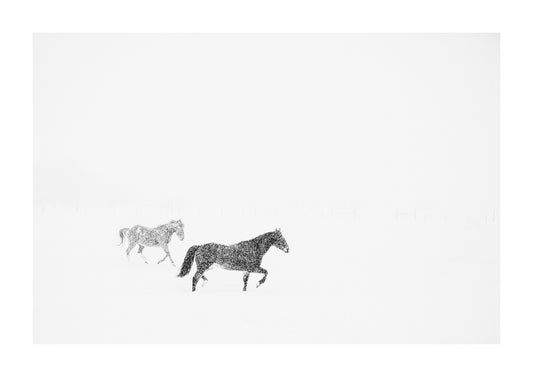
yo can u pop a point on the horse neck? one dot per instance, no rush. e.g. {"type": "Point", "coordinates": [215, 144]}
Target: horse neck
{"type": "Point", "coordinates": [265, 242]}
{"type": "Point", "coordinates": [168, 229]}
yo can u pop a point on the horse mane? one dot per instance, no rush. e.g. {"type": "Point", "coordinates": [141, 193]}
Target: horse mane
{"type": "Point", "coordinates": [166, 227]}
{"type": "Point", "coordinates": [262, 236]}
{"type": "Point", "coordinates": [266, 239]}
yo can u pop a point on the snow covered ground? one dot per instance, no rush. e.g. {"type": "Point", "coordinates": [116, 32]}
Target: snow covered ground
{"type": "Point", "coordinates": [346, 279]}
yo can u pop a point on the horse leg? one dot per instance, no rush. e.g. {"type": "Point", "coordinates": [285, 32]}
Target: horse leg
{"type": "Point", "coordinates": [165, 248]}
{"type": "Point", "coordinates": [195, 279]}
{"type": "Point", "coordinates": [166, 256]}
{"type": "Point", "coordinates": [129, 249]}
{"type": "Point", "coordinates": [261, 271]}
{"type": "Point", "coordinates": [140, 251]}
{"type": "Point", "coordinates": [201, 268]}
{"type": "Point", "coordinates": [245, 279]}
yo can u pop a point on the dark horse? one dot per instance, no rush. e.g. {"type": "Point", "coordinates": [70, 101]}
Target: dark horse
{"type": "Point", "coordinates": [244, 256]}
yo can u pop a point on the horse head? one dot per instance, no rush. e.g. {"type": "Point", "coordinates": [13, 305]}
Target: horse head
{"type": "Point", "coordinates": [177, 226]}
{"type": "Point", "coordinates": [279, 241]}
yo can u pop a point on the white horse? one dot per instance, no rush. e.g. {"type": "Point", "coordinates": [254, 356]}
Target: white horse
{"type": "Point", "coordinates": [144, 236]}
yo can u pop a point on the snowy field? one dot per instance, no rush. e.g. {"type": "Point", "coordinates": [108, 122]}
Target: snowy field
{"type": "Point", "coordinates": [354, 281]}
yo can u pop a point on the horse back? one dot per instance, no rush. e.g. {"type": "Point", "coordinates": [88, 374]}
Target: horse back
{"type": "Point", "coordinates": [242, 256]}
{"type": "Point", "coordinates": [149, 236]}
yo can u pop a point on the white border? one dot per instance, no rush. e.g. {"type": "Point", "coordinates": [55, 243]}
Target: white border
{"type": "Point", "coordinates": [18, 20]}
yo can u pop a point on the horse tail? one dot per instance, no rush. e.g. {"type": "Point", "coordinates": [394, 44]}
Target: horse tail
{"type": "Point", "coordinates": [122, 233]}
{"type": "Point", "coordinates": [187, 262]}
